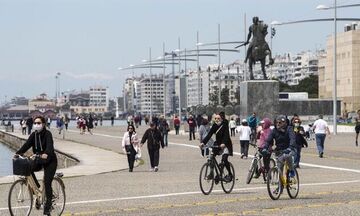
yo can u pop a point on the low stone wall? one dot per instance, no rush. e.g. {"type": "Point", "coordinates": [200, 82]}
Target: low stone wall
{"type": "Point", "coordinates": [15, 143]}
{"type": "Point", "coordinates": [308, 107]}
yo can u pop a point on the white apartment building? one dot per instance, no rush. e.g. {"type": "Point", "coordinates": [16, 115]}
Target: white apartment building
{"type": "Point", "coordinates": [99, 96]}
{"type": "Point", "coordinates": [156, 90]}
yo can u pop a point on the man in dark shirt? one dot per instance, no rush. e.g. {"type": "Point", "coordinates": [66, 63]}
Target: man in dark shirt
{"type": "Point", "coordinates": [192, 126]}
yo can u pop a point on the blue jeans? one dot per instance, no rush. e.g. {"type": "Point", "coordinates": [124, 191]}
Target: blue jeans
{"type": "Point", "coordinates": [165, 135]}
{"type": "Point", "coordinates": [320, 139]}
{"type": "Point", "coordinates": [297, 156]}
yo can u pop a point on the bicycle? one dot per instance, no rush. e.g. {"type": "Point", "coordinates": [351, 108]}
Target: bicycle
{"type": "Point", "coordinates": [278, 179]}
{"type": "Point", "coordinates": [24, 190]}
{"type": "Point", "coordinates": [207, 176]}
{"type": "Point", "coordinates": [257, 167]}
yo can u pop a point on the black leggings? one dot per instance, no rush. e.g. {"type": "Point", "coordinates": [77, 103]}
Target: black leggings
{"type": "Point", "coordinates": [131, 157]}
{"type": "Point", "coordinates": [49, 173]}
{"type": "Point", "coordinates": [225, 160]}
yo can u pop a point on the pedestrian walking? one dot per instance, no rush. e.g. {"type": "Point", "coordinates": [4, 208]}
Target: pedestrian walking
{"type": "Point", "coordinates": [29, 124]}
{"type": "Point", "coordinates": [130, 145]}
{"type": "Point", "coordinates": [164, 129]}
{"type": "Point", "coordinates": [203, 131]}
{"type": "Point", "coordinates": [154, 141]}
{"type": "Point", "coordinates": [357, 127]}
{"type": "Point", "coordinates": [23, 127]}
{"type": "Point", "coordinates": [253, 121]}
{"type": "Point", "coordinates": [112, 120]}
{"type": "Point", "coordinates": [60, 124]}
{"type": "Point", "coordinates": [244, 137]}
{"type": "Point", "coordinates": [66, 122]}
{"type": "Point", "coordinates": [192, 125]}
{"type": "Point", "coordinates": [232, 126]}
{"type": "Point", "coordinates": [320, 128]}
{"type": "Point", "coordinates": [90, 124]}
{"type": "Point", "coordinates": [299, 139]}
{"type": "Point", "coordinates": [176, 124]}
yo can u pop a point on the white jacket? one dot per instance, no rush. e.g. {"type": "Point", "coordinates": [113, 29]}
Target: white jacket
{"type": "Point", "coordinates": [126, 140]}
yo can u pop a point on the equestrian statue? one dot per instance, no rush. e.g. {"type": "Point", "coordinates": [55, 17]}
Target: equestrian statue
{"type": "Point", "coordinates": [258, 48]}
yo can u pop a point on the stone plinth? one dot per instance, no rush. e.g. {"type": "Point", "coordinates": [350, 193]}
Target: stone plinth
{"type": "Point", "coordinates": [260, 96]}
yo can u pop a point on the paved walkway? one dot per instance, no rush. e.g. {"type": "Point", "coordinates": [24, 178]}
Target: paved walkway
{"type": "Point", "coordinates": [93, 160]}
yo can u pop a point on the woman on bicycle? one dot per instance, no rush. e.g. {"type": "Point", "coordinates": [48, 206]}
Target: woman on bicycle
{"type": "Point", "coordinates": [263, 134]}
{"type": "Point", "coordinates": [285, 144]}
{"type": "Point", "coordinates": [42, 144]}
{"type": "Point", "coordinates": [221, 130]}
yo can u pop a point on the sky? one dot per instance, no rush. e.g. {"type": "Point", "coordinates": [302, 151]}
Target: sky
{"type": "Point", "coordinates": [88, 40]}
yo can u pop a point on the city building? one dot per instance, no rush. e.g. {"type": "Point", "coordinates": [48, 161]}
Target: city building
{"type": "Point", "coordinates": [151, 92]}
{"type": "Point", "coordinates": [348, 69]}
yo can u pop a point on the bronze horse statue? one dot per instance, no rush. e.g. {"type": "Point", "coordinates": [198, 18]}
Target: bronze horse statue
{"type": "Point", "coordinates": [258, 54]}
{"type": "Point", "coordinates": [258, 48]}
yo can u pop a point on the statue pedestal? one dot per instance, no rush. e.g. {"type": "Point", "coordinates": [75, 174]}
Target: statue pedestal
{"type": "Point", "coordinates": [259, 96]}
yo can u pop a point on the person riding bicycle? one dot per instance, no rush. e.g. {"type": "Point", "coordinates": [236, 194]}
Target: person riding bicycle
{"type": "Point", "coordinates": [42, 144]}
{"type": "Point", "coordinates": [285, 144]}
{"type": "Point", "coordinates": [263, 134]}
{"type": "Point", "coordinates": [223, 141]}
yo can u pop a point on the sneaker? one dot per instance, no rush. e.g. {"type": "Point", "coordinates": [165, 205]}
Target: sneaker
{"type": "Point", "coordinates": [156, 169]}
{"type": "Point", "coordinates": [242, 155]}
{"type": "Point", "coordinates": [291, 174]}
{"type": "Point", "coordinates": [321, 154]}
{"type": "Point", "coordinates": [151, 169]}
{"type": "Point", "coordinates": [356, 143]}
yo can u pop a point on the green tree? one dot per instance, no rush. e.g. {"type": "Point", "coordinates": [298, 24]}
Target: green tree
{"type": "Point", "coordinates": [309, 85]}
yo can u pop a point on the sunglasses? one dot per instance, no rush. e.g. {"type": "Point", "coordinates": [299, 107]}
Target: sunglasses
{"type": "Point", "coordinates": [38, 123]}
{"type": "Point", "coordinates": [280, 122]}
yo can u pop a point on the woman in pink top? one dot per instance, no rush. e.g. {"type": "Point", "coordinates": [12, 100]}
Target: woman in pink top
{"type": "Point", "coordinates": [264, 133]}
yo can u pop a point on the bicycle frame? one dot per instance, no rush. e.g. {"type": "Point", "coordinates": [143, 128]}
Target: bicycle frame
{"type": "Point", "coordinates": [213, 163]}
{"type": "Point", "coordinates": [39, 192]}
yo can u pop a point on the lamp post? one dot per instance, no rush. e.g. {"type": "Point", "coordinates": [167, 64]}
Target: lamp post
{"type": "Point", "coordinates": [322, 7]}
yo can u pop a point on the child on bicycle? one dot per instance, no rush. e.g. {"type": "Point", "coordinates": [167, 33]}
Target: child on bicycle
{"type": "Point", "coordinates": [285, 144]}
{"type": "Point", "coordinates": [42, 144]}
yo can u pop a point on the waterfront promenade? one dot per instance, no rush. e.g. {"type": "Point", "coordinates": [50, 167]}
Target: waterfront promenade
{"type": "Point", "coordinates": [329, 186]}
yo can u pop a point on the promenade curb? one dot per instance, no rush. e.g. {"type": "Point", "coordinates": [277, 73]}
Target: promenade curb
{"type": "Point", "coordinates": [91, 160]}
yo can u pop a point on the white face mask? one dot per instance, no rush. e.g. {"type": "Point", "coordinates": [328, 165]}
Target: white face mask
{"type": "Point", "coordinates": [38, 127]}
{"type": "Point", "coordinates": [218, 122]}
{"type": "Point", "coordinates": [297, 124]}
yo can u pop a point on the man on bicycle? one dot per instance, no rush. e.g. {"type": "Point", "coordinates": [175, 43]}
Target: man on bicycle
{"type": "Point", "coordinates": [221, 130]}
{"type": "Point", "coordinates": [284, 138]}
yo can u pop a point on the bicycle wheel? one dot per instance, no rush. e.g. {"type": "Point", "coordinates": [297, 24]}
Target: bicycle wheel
{"type": "Point", "coordinates": [59, 197]}
{"type": "Point", "coordinates": [274, 186]}
{"type": "Point", "coordinates": [252, 169]}
{"type": "Point", "coordinates": [206, 179]}
{"type": "Point", "coordinates": [20, 199]}
{"type": "Point", "coordinates": [227, 180]}
{"type": "Point", "coordinates": [293, 185]}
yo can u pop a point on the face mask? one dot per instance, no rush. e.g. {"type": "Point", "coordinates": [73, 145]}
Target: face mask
{"type": "Point", "coordinates": [218, 122]}
{"type": "Point", "coordinates": [37, 127]}
{"type": "Point", "coordinates": [297, 124]}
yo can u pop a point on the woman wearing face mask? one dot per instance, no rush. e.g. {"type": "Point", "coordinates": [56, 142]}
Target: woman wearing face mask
{"type": "Point", "coordinates": [221, 130]}
{"type": "Point", "coordinates": [42, 144]}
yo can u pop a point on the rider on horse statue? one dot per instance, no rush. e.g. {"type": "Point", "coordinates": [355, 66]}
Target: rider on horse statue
{"type": "Point", "coordinates": [258, 48]}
